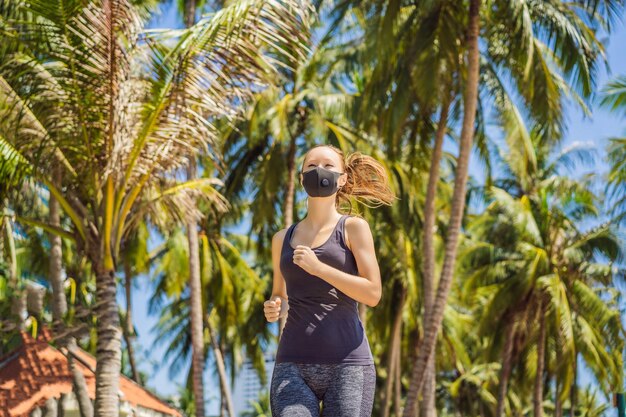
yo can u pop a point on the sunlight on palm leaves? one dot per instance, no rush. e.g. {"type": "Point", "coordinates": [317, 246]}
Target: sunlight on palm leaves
{"type": "Point", "coordinates": [531, 243]}
{"type": "Point", "coordinates": [81, 86]}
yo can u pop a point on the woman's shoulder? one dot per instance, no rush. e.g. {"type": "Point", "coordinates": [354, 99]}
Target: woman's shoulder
{"type": "Point", "coordinates": [355, 225]}
{"type": "Point", "coordinates": [279, 236]}
{"type": "Point", "coordinates": [356, 220]}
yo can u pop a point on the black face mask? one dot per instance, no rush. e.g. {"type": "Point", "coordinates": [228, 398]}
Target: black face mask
{"type": "Point", "coordinates": [320, 182]}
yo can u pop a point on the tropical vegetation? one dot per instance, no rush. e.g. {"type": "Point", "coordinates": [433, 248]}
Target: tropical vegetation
{"type": "Point", "coordinates": [129, 151]}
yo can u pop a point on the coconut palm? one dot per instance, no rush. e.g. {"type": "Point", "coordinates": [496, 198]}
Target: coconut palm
{"type": "Point", "coordinates": [398, 256]}
{"type": "Point", "coordinates": [135, 260]}
{"type": "Point", "coordinates": [614, 98]}
{"type": "Point", "coordinates": [77, 96]}
{"type": "Point", "coordinates": [195, 296]}
{"type": "Point", "coordinates": [34, 260]}
{"type": "Point", "coordinates": [231, 293]}
{"type": "Point", "coordinates": [60, 305]}
{"type": "Point", "coordinates": [538, 85]}
{"type": "Point", "coordinates": [526, 249]}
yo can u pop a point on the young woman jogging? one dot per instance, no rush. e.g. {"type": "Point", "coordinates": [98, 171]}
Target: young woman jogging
{"type": "Point", "coordinates": [323, 266]}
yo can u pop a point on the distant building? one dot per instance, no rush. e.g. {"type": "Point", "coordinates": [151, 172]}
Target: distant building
{"type": "Point", "coordinates": [36, 373]}
{"type": "Point", "coordinates": [247, 383]}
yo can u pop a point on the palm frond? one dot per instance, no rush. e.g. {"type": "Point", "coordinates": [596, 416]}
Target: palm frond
{"type": "Point", "coordinates": [614, 95]}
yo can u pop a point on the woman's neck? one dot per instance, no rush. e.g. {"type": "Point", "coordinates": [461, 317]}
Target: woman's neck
{"type": "Point", "coordinates": [321, 211]}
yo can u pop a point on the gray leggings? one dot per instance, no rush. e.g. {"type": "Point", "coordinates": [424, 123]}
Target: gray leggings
{"type": "Point", "coordinates": [296, 390]}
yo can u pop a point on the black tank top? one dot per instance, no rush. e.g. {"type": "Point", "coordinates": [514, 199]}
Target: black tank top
{"type": "Point", "coordinates": [323, 324]}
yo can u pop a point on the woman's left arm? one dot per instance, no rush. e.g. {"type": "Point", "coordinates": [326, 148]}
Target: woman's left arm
{"type": "Point", "coordinates": [365, 288]}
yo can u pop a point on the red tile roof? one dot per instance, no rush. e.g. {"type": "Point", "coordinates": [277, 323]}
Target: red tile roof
{"type": "Point", "coordinates": [36, 371]}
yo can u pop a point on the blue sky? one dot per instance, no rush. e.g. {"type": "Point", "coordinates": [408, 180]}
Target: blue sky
{"type": "Point", "coordinates": [595, 129]}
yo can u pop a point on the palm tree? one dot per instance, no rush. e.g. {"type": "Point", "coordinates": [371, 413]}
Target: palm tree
{"type": "Point", "coordinates": [614, 98]}
{"type": "Point", "coordinates": [540, 88]}
{"type": "Point", "coordinates": [135, 260]}
{"type": "Point", "coordinates": [195, 296]}
{"type": "Point", "coordinates": [426, 29]}
{"type": "Point", "coordinates": [231, 293]}
{"type": "Point", "coordinates": [458, 202]}
{"type": "Point", "coordinates": [398, 256]}
{"type": "Point", "coordinates": [527, 248]}
{"type": "Point", "coordinates": [14, 169]}
{"type": "Point", "coordinates": [119, 161]}
{"type": "Point", "coordinates": [14, 178]}
{"type": "Point", "coordinates": [59, 304]}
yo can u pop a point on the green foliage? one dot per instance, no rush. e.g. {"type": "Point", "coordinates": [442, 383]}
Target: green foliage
{"type": "Point", "coordinates": [374, 79]}
{"type": "Point", "coordinates": [260, 407]}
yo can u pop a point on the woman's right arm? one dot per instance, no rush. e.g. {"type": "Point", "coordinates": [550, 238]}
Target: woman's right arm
{"type": "Point", "coordinates": [279, 288]}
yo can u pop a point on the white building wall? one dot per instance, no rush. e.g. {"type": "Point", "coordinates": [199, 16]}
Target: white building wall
{"type": "Point", "coordinates": [248, 386]}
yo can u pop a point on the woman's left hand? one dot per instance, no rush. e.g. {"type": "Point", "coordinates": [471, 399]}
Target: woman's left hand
{"type": "Point", "coordinates": [305, 258]}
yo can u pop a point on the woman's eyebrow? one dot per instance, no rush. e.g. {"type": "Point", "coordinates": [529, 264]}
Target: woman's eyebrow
{"type": "Point", "coordinates": [325, 160]}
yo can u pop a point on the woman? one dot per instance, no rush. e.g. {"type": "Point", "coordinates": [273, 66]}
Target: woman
{"type": "Point", "coordinates": [323, 265]}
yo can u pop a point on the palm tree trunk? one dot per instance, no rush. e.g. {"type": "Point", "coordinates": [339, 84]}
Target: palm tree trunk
{"type": "Point", "coordinates": [190, 13]}
{"type": "Point", "coordinates": [541, 342]}
{"type": "Point", "coordinates": [417, 337]}
{"type": "Point", "coordinates": [456, 212]}
{"type": "Point", "coordinates": [288, 207]}
{"type": "Point", "coordinates": [427, 404]}
{"type": "Point", "coordinates": [391, 372]}
{"type": "Point", "coordinates": [12, 254]}
{"type": "Point", "coordinates": [195, 285]}
{"type": "Point", "coordinates": [109, 345]}
{"type": "Point", "coordinates": [197, 343]}
{"type": "Point", "coordinates": [393, 352]}
{"type": "Point", "coordinates": [428, 394]}
{"type": "Point", "coordinates": [573, 392]}
{"type": "Point", "coordinates": [221, 370]}
{"type": "Point", "coordinates": [60, 408]}
{"type": "Point", "coordinates": [505, 372]}
{"type": "Point", "coordinates": [80, 385]}
{"type": "Point", "coordinates": [223, 411]}
{"type": "Point", "coordinates": [558, 405]}
{"type": "Point", "coordinates": [51, 407]}
{"type": "Point", "coordinates": [128, 324]}
{"type": "Point", "coordinates": [18, 304]}
{"type": "Point", "coordinates": [397, 403]}
{"type": "Point", "coordinates": [59, 306]}
{"type": "Point", "coordinates": [59, 303]}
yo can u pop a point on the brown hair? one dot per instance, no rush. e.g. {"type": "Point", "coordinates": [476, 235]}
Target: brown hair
{"type": "Point", "coordinates": [367, 180]}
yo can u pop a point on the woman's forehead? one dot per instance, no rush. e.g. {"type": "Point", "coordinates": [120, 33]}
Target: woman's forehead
{"type": "Point", "coordinates": [322, 153]}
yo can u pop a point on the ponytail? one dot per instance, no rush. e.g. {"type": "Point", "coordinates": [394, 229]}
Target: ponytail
{"type": "Point", "coordinates": [367, 182]}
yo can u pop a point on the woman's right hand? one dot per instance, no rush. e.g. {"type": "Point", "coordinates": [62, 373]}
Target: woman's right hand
{"type": "Point", "coordinates": [272, 308]}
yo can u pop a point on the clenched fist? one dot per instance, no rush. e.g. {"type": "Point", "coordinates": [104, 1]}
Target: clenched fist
{"type": "Point", "coordinates": [272, 308]}
{"type": "Point", "coordinates": [305, 258]}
